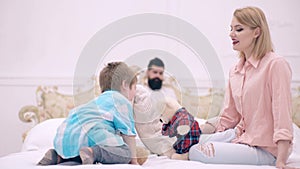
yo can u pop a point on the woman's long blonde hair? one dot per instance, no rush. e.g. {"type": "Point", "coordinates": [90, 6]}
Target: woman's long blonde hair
{"type": "Point", "coordinates": [255, 18]}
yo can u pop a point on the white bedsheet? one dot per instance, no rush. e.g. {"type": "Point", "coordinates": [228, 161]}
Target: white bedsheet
{"type": "Point", "coordinates": [28, 160]}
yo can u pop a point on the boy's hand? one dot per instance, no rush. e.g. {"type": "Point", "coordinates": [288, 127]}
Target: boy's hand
{"type": "Point", "coordinates": [134, 161]}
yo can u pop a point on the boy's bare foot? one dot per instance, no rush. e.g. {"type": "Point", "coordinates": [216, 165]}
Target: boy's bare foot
{"type": "Point", "coordinates": [87, 156]}
{"type": "Point", "coordinates": [50, 158]}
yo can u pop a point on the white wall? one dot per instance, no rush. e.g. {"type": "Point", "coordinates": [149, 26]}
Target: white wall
{"type": "Point", "coordinates": [41, 42]}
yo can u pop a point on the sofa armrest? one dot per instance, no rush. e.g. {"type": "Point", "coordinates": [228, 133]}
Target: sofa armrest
{"type": "Point", "coordinates": [29, 114]}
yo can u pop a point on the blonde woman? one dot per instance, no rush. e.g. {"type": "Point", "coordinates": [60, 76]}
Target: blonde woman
{"type": "Point", "coordinates": [257, 102]}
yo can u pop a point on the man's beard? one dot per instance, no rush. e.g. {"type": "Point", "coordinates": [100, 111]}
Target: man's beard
{"type": "Point", "coordinates": [155, 84]}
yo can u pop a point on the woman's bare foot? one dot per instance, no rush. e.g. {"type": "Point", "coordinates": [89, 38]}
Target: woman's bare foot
{"type": "Point", "coordinates": [184, 156]}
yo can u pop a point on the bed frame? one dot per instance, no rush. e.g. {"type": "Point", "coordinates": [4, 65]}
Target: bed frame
{"type": "Point", "coordinates": [53, 104]}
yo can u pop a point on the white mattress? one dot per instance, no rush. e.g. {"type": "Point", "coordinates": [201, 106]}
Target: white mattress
{"type": "Point", "coordinates": [36, 144]}
{"type": "Point", "coordinates": [28, 160]}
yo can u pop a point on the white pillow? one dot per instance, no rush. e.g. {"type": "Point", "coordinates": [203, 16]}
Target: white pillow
{"type": "Point", "coordinates": [42, 135]}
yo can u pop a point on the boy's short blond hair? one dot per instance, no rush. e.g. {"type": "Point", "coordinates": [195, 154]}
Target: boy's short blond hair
{"type": "Point", "coordinates": [113, 74]}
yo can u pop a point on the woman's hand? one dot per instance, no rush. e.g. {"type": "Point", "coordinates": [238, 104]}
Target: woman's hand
{"type": "Point", "coordinates": [283, 154]}
{"type": "Point", "coordinates": [281, 165]}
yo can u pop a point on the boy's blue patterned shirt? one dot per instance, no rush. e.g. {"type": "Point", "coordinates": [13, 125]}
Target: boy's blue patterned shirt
{"type": "Point", "coordinates": [98, 122]}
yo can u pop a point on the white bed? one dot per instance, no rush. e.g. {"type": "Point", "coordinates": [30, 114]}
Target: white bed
{"type": "Point", "coordinates": [40, 137]}
{"type": "Point", "coordinates": [54, 106]}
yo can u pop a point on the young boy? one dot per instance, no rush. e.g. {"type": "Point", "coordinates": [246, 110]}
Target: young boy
{"type": "Point", "coordinates": [102, 130]}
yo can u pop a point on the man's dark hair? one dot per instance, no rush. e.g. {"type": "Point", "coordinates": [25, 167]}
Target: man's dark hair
{"type": "Point", "coordinates": [156, 62]}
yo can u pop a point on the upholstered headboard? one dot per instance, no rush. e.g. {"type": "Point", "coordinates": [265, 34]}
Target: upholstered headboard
{"type": "Point", "coordinates": [53, 104]}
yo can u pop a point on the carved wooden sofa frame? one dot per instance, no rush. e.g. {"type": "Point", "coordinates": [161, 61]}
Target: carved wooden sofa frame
{"type": "Point", "coordinates": [53, 104]}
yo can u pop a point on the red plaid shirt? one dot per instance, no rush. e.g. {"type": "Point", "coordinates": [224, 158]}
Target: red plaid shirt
{"type": "Point", "coordinates": [184, 142]}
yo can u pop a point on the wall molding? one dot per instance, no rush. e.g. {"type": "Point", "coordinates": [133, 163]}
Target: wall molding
{"type": "Point", "coordinates": [31, 81]}
{"type": "Point", "coordinates": [286, 55]}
